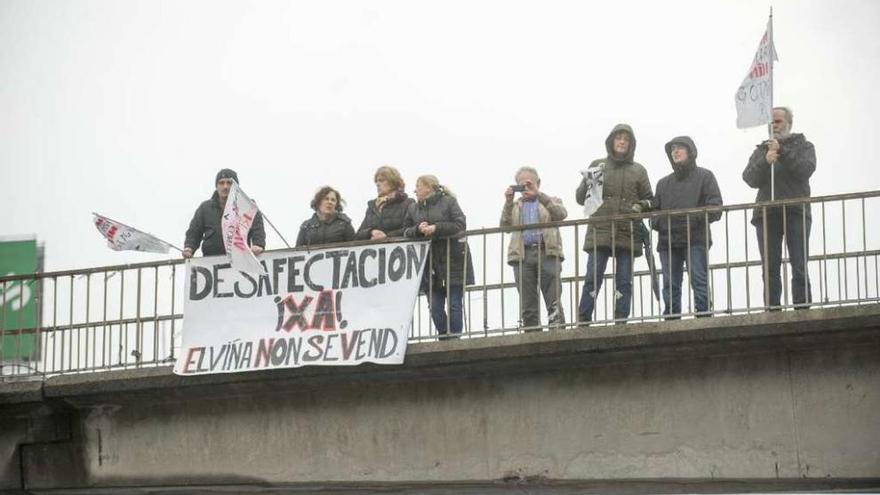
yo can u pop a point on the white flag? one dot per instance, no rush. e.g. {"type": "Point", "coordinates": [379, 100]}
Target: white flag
{"type": "Point", "coordinates": [754, 98]}
{"type": "Point", "coordinates": [238, 216]}
{"type": "Point", "coordinates": [121, 237]}
{"type": "Point", "coordinates": [595, 179]}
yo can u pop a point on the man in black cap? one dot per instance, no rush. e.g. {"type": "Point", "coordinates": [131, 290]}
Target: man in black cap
{"type": "Point", "coordinates": [204, 228]}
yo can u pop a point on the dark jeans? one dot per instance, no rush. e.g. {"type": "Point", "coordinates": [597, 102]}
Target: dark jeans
{"type": "Point", "coordinates": [534, 271]}
{"type": "Point", "coordinates": [596, 263]}
{"type": "Point", "coordinates": [673, 263]}
{"type": "Point", "coordinates": [795, 231]}
{"type": "Point", "coordinates": [438, 309]}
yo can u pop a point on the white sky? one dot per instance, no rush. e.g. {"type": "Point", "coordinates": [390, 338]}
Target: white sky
{"type": "Point", "coordinates": [129, 108]}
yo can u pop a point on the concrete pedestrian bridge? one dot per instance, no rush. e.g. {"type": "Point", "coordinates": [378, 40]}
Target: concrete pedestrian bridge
{"type": "Point", "coordinates": [770, 401]}
{"type": "Point", "coordinates": [754, 399]}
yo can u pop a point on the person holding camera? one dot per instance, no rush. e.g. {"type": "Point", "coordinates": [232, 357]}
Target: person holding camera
{"type": "Point", "coordinates": [626, 189]}
{"type": "Point", "coordinates": [535, 254]}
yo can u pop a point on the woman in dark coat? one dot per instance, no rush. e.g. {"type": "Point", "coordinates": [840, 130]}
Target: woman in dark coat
{"type": "Point", "coordinates": [328, 224]}
{"type": "Point", "coordinates": [436, 215]}
{"type": "Point", "coordinates": [386, 215]}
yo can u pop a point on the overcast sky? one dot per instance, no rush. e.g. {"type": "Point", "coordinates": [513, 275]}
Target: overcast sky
{"type": "Point", "coordinates": [129, 108]}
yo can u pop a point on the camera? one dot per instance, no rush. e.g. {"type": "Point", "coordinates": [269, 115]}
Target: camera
{"type": "Point", "coordinates": [517, 188]}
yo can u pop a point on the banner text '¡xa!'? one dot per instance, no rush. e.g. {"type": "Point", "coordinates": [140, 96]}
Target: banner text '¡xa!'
{"type": "Point", "coordinates": [350, 268]}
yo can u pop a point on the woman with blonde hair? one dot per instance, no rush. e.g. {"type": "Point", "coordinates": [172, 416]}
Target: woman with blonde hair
{"type": "Point", "coordinates": [386, 215]}
{"type": "Point", "coordinates": [436, 215]}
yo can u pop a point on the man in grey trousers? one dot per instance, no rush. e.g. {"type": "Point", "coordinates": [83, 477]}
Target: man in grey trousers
{"type": "Point", "coordinates": [535, 254]}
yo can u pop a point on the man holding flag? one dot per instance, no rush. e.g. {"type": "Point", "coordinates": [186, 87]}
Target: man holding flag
{"type": "Point", "coordinates": [784, 163]}
{"type": "Point", "coordinates": [205, 227]}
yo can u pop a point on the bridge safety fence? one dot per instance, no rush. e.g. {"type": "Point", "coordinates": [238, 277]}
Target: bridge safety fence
{"type": "Point", "coordinates": [131, 316]}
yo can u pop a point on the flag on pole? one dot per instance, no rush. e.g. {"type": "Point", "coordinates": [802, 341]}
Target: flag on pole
{"type": "Point", "coordinates": [121, 237]}
{"type": "Point", "coordinates": [754, 98]}
{"type": "Point", "coordinates": [238, 216]}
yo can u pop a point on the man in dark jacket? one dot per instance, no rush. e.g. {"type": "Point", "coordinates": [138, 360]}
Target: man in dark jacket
{"type": "Point", "coordinates": [791, 160]}
{"type": "Point", "coordinates": [204, 228]}
{"type": "Point", "coordinates": [685, 239]}
{"type": "Point", "coordinates": [626, 189]}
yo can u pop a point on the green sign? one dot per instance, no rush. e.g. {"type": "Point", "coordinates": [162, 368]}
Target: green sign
{"type": "Point", "coordinates": [17, 300]}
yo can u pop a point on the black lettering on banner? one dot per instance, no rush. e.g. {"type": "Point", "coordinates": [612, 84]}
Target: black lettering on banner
{"type": "Point", "coordinates": [308, 275]}
{"type": "Point", "coordinates": [200, 272]}
{"type": "Point", "coordinates": [294, 348]}
{"type": "Point", "coordinates": [265, 284]}
{"type": "Point", "coordinates": [366, 253]}
{"type": "Point", "coordinates": [360, 344]}
{"type": "Point", "coordinates": [335, 255]}
{"type": "Point", "coordinates": [389, 343]}
{"type": "Point", "coordinates": [293, 272]}
{"type": "Point", "coordinates": [382, 266]}
{"type": "Point", "coordinates": [414, 261]}
{"type": "Point", "coordinates": [397, 264]}
{"type": "Point", "coordinates": [214, 362]}
{"type": "Point", "coordinates": [246, 356]}
{"type": "Point", "coordinates": [237, 289]}
{"type": "Point", "coordinates": [315, 342]}
{"type": "Point", "coordinates": [329, 347]}
{"type": "Point", "coordinates": [277, 268]}
{"type": "Point", "coordinates": [234, 354]}
{"type": "Point", "coordinates": [219, 280]}
{"type": "Point", "coordinates": [279, 352]}
{"type": "Point", "coordinates": [351, 276]}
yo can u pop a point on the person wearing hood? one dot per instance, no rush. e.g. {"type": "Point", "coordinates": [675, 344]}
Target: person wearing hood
{"type": "Point", "coordinates": [328, 224]}
{"type": "Point", "coordinates": [791, 160]}
{"type": "Point", "coordinates": [386, 215]}
{"type": "Point", "coordinates": [437, 216]}
{"type": "Point", "coordinates": [685, 239]}
{"type": "Point", "coordinates": [204, 228]}
{"type": "Point", "coordinates": [626, 189]}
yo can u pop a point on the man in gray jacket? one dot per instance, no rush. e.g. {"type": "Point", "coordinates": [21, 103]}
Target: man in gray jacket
{"type": "Point", "coordinates": [685, 239]}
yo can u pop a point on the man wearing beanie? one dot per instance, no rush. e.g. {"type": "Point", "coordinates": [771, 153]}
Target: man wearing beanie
{"type": "Point", "coordinates": [685, 239]}
{"type": "Point", "coordinates": [204, 228]}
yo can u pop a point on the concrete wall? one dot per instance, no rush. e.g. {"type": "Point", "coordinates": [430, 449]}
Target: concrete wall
{"type": "Point", "coordinates": [760, 398]}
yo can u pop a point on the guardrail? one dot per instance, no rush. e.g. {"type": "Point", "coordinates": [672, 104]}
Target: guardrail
{"type": "Point", "coordinates": [128, 316]}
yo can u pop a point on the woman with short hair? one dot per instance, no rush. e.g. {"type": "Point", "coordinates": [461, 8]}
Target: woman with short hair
{"type": "Point", "coordinates": [328, 224]}
{"type": "Point", "coordinates": [386, 215]}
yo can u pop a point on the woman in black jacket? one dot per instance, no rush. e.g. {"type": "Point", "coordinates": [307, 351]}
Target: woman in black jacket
{"type": "Point", "coordinates": [437, 216]}
{"type": "Point", "coordinates": [328, 224]}
{"type": "Point", "coordinates": [386, 215]}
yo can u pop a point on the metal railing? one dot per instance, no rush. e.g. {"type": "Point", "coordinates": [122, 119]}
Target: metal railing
{"type": "Point", "coordinates": [130, 316]}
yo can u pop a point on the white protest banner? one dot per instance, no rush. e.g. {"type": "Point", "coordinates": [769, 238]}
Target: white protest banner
{"type": "Point", "coordinates": [121, 237]}
{"type": "Point", "coordinates": [754, 98]}
{"type": "Point", "coordinates": [594, 177]}
{"type": "Point", "coordinates": [238, 216]}
{"type": "Point", "coordinates": [331, 307]}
